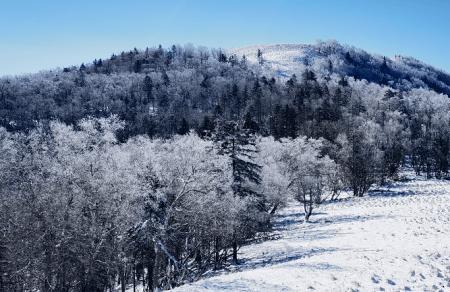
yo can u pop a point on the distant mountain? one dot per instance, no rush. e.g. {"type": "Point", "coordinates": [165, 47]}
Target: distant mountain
{"type": "Point", "coordinates": [325, 58]}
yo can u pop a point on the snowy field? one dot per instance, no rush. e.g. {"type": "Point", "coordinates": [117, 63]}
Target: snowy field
{"type": "Point", "coordinates": [395, 239]}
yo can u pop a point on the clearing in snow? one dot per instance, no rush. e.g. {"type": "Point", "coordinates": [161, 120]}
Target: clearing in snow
{"type": "Point", "coordinates": [394, 239]}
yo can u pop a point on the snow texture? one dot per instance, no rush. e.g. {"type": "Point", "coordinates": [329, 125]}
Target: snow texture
{"type": "Point", "coordinates": [394, 239]}
{"type": "Point", "coordinates": [279, 60]}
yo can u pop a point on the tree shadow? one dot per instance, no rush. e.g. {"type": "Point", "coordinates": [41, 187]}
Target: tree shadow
{"type": "Point", "coordinates": [282, 258]}
{"type": "Point", "coordinates": [339, 219]}
{"type": "Point", "coordinates": [390, 192]}
{"type": "Point", "coordinates": [281, 247]}
{"type": "Point", "coordinates": [298, 218]}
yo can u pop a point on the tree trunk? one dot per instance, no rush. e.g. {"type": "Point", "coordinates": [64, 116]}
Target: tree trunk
{"type": "Point", "coordinates": [216, 253]}
{"type": "Point", "coordinates": [235, 249]}
{"type": "Point", "coordinates": [274, 209]}
{"type": "Point", "coordinates": [122, 279]}
{"type": "Point", "coordinates": [308, 207]}
{"type": "Point", "coordinates": [134, 278]}
{"type": "Point", "coordinates": [155, 280]}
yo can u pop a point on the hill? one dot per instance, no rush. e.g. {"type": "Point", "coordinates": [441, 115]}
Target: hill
{"type": "Point", "coordinates": [160, 92]}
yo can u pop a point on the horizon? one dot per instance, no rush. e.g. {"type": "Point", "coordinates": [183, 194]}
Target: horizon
{"type": "Point", "coordinates": [48, 35]}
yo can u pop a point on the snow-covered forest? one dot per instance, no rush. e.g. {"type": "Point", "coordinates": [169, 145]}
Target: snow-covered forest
{"type": "Point", "coordinates": [156, 166]}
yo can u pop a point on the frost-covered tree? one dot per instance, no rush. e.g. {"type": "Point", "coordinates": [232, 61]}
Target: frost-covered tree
{"type": "Point", "coordinates": [274, 180]}
{"type": "Point", "coordinates": [361, 156]}
{"type": "Point", "coordinates": [308, 172]}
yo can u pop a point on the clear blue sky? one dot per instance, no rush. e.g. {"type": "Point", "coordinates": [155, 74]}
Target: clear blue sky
{"type": "Point", "coordinates": [43, 34]}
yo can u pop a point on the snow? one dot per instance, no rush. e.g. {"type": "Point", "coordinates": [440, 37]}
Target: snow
{"type": "Point", "coordinates": [279, 60]}
{"type": "Point", "coordinates": [394, 239]}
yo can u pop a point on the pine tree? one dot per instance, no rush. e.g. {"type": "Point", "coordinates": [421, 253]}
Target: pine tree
{"type": "Point", "coordinates": [259, 55]}
{"type": "Point", "coordinates": [184, 127]}
{"type": "Point", "coordinates": [137, 66]}
{"type": "Point", "coordinates": [148, 87]}
{"type": "Point", "coordinates": [236, 101]}
{"type": "Point", "coordinates": [165, 78]}
{"type": "Point", "coordinates": [222, 57]}
{"type": "Point", "coordinates": [239, 144]}
{"type": "Point", "coordinates": [163, 101]}
{"type": "Point", "coordinates": [243, 62]}
{"type": "Point", "coordinates": [257, 101]}
{"type": "Point", "coordinates": [291, 82]}
{"type": "Point", "coordinates": [276, 123]}
{"type": "Point", "coordinates": [206, 128]}
{"type": "Point", "coordinates": [384, 67]}
{"type": "Point", "coordinates": [233, 60]}
{"type": "Point", "coordinates": [290, 122]}
{"type": "Point", "coordinates": [250, 124]}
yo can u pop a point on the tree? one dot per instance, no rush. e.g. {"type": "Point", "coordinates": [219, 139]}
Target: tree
{"type": "Point", "coordinates": [137, 66]}
{"type": "Point", "coordinates": [239, 145]}
{"type": "Point", "coordinates": [184, 127]}
{"type": "Point", "coordinates": [148, 88]}
{"type": "Point", "coordinates": [249, 124]}
{"type": "Point", "coordinates": [277, 129]}
{"type": "Point", "coordinates": [207, 127]}
{"type": "Point", "coordinates": [188, 185]}
{"type": "Point", "coordinates": [308, 172]}
{"type": "Point", "coordinates": [165, 78]}
{"type": "Point", "coordinates": [274, 181]}
{"type": "Point", "coordinates": [257, 101]}
{"type": "Point", "coordinates": [259, 56]}
{"type": "Point", "coordinates": [360, 155]}
{"type": "Point", "coordinates": [222, 57]}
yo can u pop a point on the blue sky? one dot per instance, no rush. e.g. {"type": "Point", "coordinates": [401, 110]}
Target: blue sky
{"type": "Point", "coordinates": [44, 34]}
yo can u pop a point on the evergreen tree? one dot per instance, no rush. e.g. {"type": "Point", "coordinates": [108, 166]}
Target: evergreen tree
{"type": "Point", "coordinates": [250, 124]}
{"type": "Point", "coordinates": [384, 67]}
{"type": "Point", "coordinates": [243, 62]}
{"type": "Point", "coordinates": [137, 67]}
{"type": "Point", "coordinates": [239, 144]}
{"type": "Point", "coordinates": [163, 100]}
{"type": "Point", "coordinates": [236, 101]}
{"type": "Point", "coordinates": [290, 123]}
{"type": "Point", "coordinates": [222, 57]}
{"type": "Point", "coordinates": [206, 128]}
{"type": "Point", "coordinates": [276, 123]}
{"type": "Point", "coordinates": [259, 55]}
{"type": "Point", "coordinates": [257, 101]}
{"type": "Point", "coordinates": [148, 87]}
{"type": "Point", "coordinates": [184, 127]}
{"type": "Point", "coordinates": [291, 82]}
{"type": "Point", "coordinates": [165, 78]}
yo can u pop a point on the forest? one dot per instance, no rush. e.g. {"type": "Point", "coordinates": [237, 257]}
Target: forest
{"type": "Point", "coordinates": [153, 167]}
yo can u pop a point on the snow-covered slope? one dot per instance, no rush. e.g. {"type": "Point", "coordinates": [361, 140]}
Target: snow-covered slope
{"type": "Point", "coordinates": [395, 239]}
{"type": "Point", "coordinates": [325, 58]}
{"type": "Point", "coordinates": [284, 60]}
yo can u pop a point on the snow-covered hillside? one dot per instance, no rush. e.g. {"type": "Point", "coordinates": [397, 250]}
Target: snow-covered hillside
{"type": "Point", "coordinates": [325, 58]}
{"type": "Point", "coordinates": [395, 239]}
{"type": "Point", "coordinates": [284, 60]}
